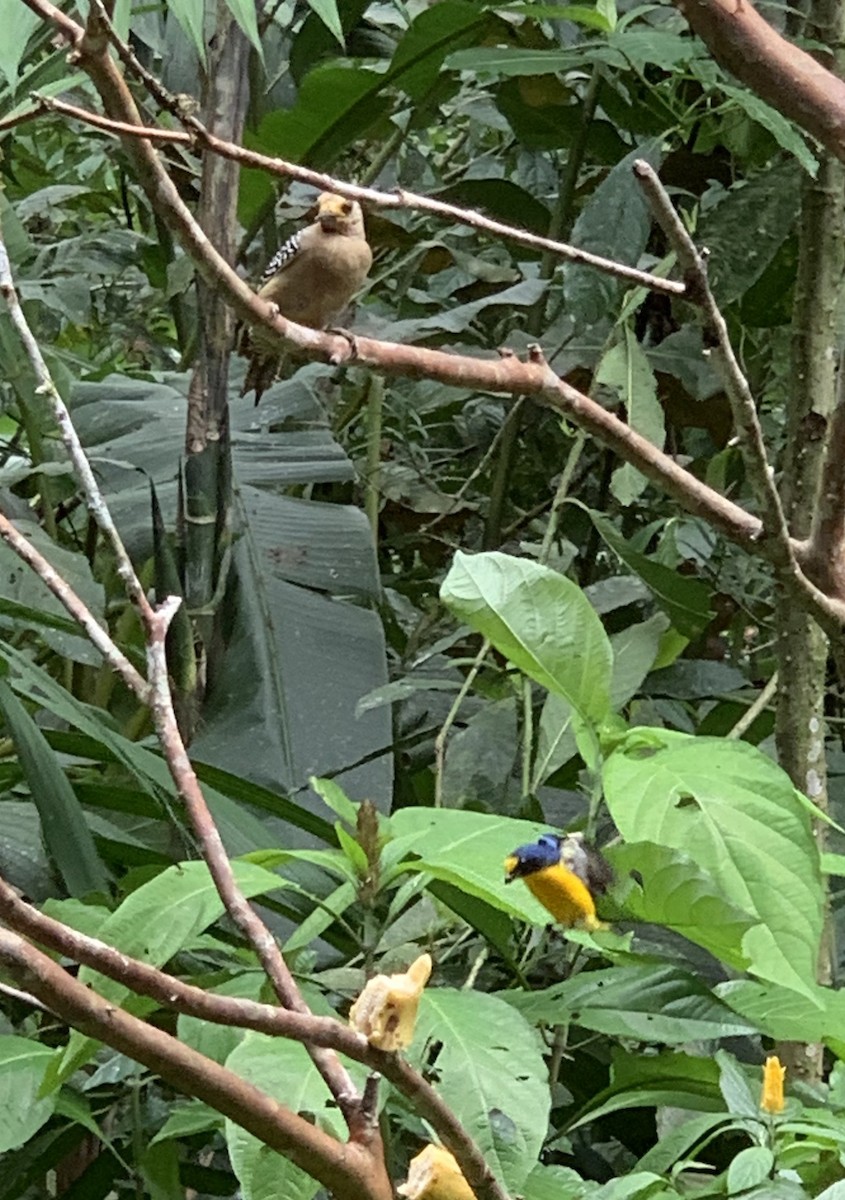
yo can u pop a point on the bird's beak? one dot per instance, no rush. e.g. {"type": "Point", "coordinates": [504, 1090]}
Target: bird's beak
{"type": "Point", "coordinates": [511, 863]}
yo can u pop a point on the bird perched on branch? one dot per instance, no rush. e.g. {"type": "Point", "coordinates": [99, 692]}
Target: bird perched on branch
{"type": "Point", "coordinates": [311, 279]}
{"type": "Point", "coordinates": [564, 874]}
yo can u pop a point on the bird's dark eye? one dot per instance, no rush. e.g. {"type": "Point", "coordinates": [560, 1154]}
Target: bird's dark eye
{"type": "Point", "coordinates": [347, 207]}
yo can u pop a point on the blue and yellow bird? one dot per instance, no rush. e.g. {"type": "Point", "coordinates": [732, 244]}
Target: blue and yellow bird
{"type": "Point", "coordinates": [565, 874]}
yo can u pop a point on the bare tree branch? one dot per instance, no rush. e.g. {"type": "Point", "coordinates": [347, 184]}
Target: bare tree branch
{"type": "Point", "coordinates": [327, 1032]}
{"type": "Point", "coordinates": [746, 421]}
{"type": "Point", "coordinates": [788, 78]}
{"type": "Point", "coordinates": [400, 198]}
{"type": "Point", "coordinates": [93, 630]}
{"type": "Point", "coordinates": [347, 1170]}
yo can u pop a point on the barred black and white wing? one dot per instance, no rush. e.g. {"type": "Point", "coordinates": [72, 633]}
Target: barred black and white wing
{"type": "Point", "coordinates": [283, 257]}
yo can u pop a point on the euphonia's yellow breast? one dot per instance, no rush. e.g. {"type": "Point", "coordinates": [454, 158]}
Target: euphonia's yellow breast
{"type": "Point", "coordinates": [564, 895]}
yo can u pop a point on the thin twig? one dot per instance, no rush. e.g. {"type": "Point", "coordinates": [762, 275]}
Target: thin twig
{"type": "Point", "coordinates": [753, 711]}
{"type": "Point", "coordinates": [45, 386]}
{"type": "Point", "coordinates": [197, 133]}
{"type": "Point", "coordinates": [443, 734]}
{"type": "Point", "coordinates": [750, 433]}
{"type": "Point", "coordinates": [93, 630]}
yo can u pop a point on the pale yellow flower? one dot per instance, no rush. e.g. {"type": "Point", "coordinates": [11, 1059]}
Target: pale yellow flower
{"type": "Point", "coordinates": [771, 1099]}
{"type": "Point", "coordinates": [386, 1010]}
{"type": "Point", "coordinates": [434, 1175]}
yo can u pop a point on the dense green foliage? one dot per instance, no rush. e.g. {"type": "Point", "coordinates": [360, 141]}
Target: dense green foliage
{"type": "Point", "coordinates": [535, 638]}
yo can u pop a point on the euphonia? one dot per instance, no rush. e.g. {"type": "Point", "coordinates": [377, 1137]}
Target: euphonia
{"type": "Point", "coordinates": [564, 873]}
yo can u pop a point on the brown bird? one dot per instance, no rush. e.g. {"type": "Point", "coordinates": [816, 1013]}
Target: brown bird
{"type": "Point", "coordinates": [311, 279]}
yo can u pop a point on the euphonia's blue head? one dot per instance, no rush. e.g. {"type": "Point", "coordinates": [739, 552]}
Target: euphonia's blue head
{"type": "Point", "coordinates": [535, 856]}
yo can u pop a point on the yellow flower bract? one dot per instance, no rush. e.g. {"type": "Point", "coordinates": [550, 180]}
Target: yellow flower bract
{"type": "Point", "coordinates": [771, 1099]}
{"type": "Point", "coordinates": [434, 1175]}
{"type": "Point", "coordinates": [386, 1010]}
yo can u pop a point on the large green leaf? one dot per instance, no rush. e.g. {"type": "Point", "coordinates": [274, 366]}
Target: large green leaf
{"type": "Point", "coordinates": [23, 1110]}
{"type": "Point", "coordinates": [787, 1015]}
{"type": "Point", "coordinates": [616, 223]}
{"type": "Point", "coordinates": [540, 621]}
{"type": "Point", "coordinates": [639, 1081]}
{"type": "Point", "coordinates": [23, 595]}
{"type": "Point", "coordinates": [686, 601]}
{"type": "Point", "coordinates": [738, 816]}
{"type": "Point", "coordinates": [281, 1069]}
{"type": "Point", "coordinates": [771, 200]}
{"type": "Point", "coordinates": [65, 832]}
{"type": "Point", "coordinates": [650, 1003]}
{"type": "Point", "coordinates": [660, 885]}
{"type": "Point", "coordinates": [300, 654]}
{"type": "Point", "coordinates": [626, 370]}
{"type": "Point", "coordinates": [490, 1072]}
{"type": "Point", "coordinates": [240, 830]}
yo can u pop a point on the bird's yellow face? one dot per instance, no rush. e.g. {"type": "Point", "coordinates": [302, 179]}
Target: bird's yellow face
{"type": "Point", "coordinates": [336, 214]}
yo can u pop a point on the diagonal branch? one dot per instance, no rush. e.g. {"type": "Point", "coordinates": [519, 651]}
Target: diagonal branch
{"type": "Point", "coordinates": [790, 557]}
{"type": "Point", "coordinates": [348, 1171]}
{"type": "Point", "coordinates": [90, 626]}
{"type": "Point", "coordinates": [327, 1032]}
{"type": "Point", "coordinates": [693, 264]}
{"type": "Point", "coordinates": [788, 78]}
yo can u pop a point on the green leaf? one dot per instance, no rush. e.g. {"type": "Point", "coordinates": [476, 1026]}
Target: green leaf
{"type": "Point", "coordinates": [322, 917]}
{"type": "Point", "coordinates": [490, 1073]}
{"type": "Point", "coordinates": [335, 797]}
{"type": "Point", "coordinates": [678, 1143]}
{"type": "Point", "coordinates": [674, 891]}
{"type": "Point", "coordinates": [770, 202]}
{"type": "Point", "coordinates": [634, 652]}
{"type": "Point", "coordinates": [786, 1015]}
{"type": "Point", "coordinates": [326, 10]}
{"type": "Point", "coordinates": [685, 601]}
{"type": "Point", "coordinates": [244, 13]}
{"type": "Point", "coordinates": [186, 1119]}
{"type": "Point", "coordinates": [19, 23]}
{"type": "Point", "coordinates": [191, 15]}
{"type": "Point", "coordinates": [68, 838]}
{"type": "Point", "coordinates": [283, 1070]}
{"type": "Point", "coordinates": [540, 621]}
{"type": "Point", "coordinates": [419, 58]}
{"type": "Point", "coordinates": [782, 130]}
{"type": "Point", "coordinates": [738, 816]}
{"type": "Point", "coordinates": [615, 222]}
{"type": "Point", "coordinates": [23, 1110]}
{"type": "Point", "coordinates": [24, 593]}
{"type": "Point", "coordinates": [218, 1041]}
{"type": "Point", "coordinates": [640, 1081]}
{"type": "Point", "coordinates": [649, 1003]}
{"type": "Point", "coordinates": [556, 1183]}
{"type": "Point", "coordinates": [836, 1191]}
{"type": "Point", "coordinates": [556, 742]}
{"type": "Point", "coordinates": [626, 370]}
{"type": "Point", "coordinates": [602, 17]}
{"type": "Point", "coordinates": [511, 60]}
{"type": "Point", "coordinates": [751, 1167]}
{"type": "Point", "coordinates": [735, 1089]}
